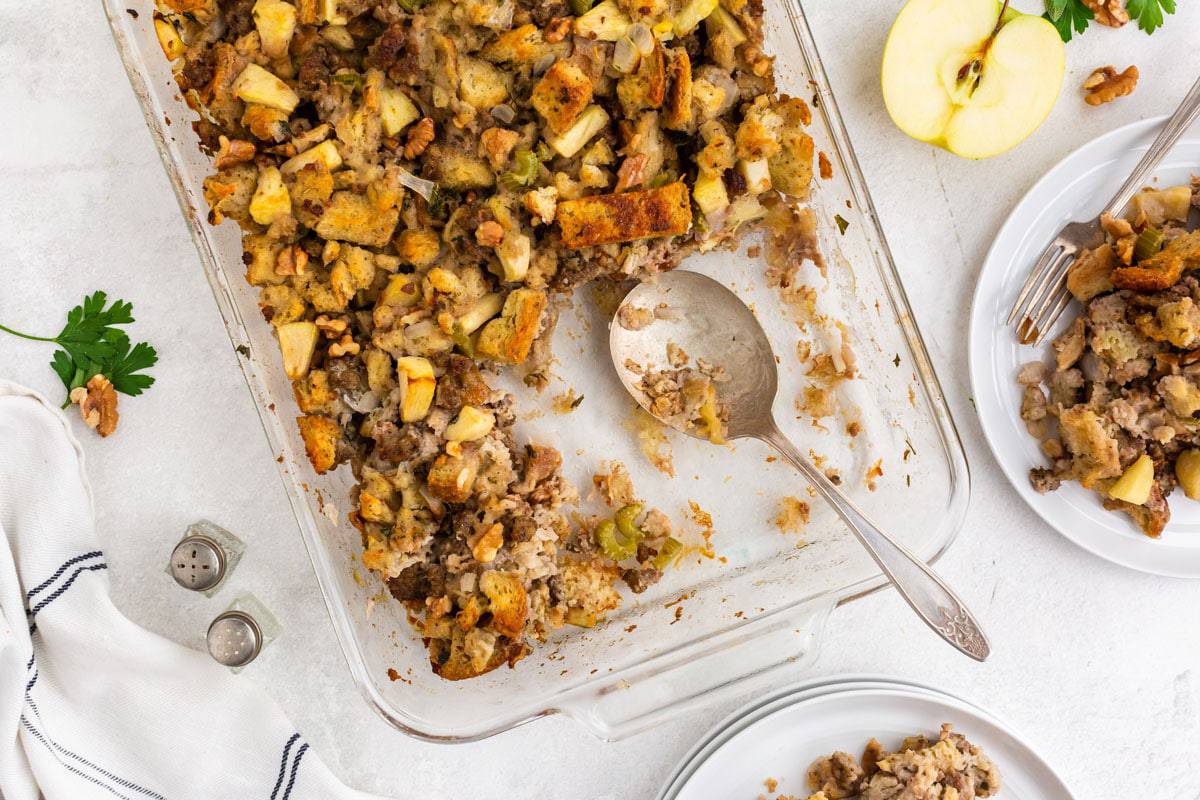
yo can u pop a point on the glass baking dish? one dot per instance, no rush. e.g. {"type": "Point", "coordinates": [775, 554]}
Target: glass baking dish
{"type": "Point", "coordinates": [713, 625]}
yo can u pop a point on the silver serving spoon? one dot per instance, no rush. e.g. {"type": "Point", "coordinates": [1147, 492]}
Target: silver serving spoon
{"type": "Point", "coordinates": [714, 324]}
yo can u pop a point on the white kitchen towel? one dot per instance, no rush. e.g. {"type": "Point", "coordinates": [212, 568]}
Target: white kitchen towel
{"type": "Point", "coordinates": [91, 705]}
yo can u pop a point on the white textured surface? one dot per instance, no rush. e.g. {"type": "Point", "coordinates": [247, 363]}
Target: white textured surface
{"type": "Point", "coordinates": [1097, 665]}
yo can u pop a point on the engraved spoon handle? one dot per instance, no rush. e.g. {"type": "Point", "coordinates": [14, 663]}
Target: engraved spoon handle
{"type": "Point", "coordinates": [933, 601]}
{"type": "Point", "coordinates": [1172, 130]}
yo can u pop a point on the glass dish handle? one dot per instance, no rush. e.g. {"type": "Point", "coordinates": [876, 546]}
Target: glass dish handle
{"type": "Point", "coordinates": [723, 666]}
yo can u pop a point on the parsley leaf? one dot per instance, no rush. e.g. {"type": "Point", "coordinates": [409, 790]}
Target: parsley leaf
{"type": "Point", "coordinates": [1070, 16]}
{"type": "Point", "coordinates": [93, 344]}
{"type": "Point", "coordinates": [1149, 13]}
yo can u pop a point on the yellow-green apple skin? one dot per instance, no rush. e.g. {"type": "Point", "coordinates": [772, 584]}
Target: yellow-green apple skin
{"type": "Point", "coordinates": [928, 47]}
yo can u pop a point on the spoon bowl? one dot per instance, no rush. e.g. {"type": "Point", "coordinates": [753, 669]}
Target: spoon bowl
{"type": "Point", "coordinates": [712, 324]}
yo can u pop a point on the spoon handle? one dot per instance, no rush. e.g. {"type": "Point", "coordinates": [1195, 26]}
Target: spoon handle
{"type": "Point", "coordinates": [932, 599]}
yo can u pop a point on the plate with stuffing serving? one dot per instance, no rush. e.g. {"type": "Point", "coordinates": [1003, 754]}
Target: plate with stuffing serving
{"type": "Point", "coordinates": [865, 739]}
{"type": "Point", "coordinates": [1096, 428]}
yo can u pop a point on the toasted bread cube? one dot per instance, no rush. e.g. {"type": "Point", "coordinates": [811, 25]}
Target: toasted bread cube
{"type": "Point", "coordinates": [325, 153]}
{"type": "Point", "coordinates": [418, 246]}
{"type": "Point", "coordinates": [509, 338]}
{"type": "Point", "coordinates": [451, 477]}
{"type": "Point", "coordinates": [276, 23]}
{"type": "Point", "coordinates": [457, 171]}
{"type": "Point", "coordinates": [561, 95]}
{"type": "Point", "coordinates": [471, 425]}
{"type": "Point", "coordinates": [314, 394]}
{"type": "Point", "coordinates": [1162, 270]}
{"type": "Point", "coordinates": [352, 217]}
{"type": "Point", "coordinates": [281, 304]}
{"type": "Point", "coordinates": [168, 37]}
{"type": "Point", "coordinates": [481, 85]}
{"type": "Point", "coordinates": [260, 254]}
{"type": "Point", "coordinates": [396, 110]}
{"type": "Point", "coordinates": [646, 88]}
{"type": "Point", "coordinates": [508, 601]}
{"type": "Point", "coordinates": [228, 192]}
{"type": "Point", "coordinates": [613, 218]}
{"type": "Point", "coordinates": [257, 85]}
{"type": "Point", "coordinates": [590, 122]}
{"type": "Point", "coordinates": [677, 104]}
{"type": "Point", "coordinates": [523, 45]}
{"type": "Point", "coordinates": [417, 387]}
{"type": "Point", "coordinates": [271, 199]}
{"type": "Point", "coordinates": [379, 371]}
{"type": "Point", "coordinates": [792, 166]}
{"type": "Point", "coordinates": [297, 341]}
{"type": "Point", "coordinates": [321, 435]}
{"type": "Point", "coordinates": [267, 124]}
{"type": "Point", "coordinates": [374, 509]}
{"type": "Point", "coordinates": [1091, 273]}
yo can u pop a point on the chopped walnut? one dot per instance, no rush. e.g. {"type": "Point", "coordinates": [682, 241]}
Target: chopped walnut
{"type": "Point", "coordinates": [232, 152]}
{"type": "Point", "coordinates": [332, 328]}
{"type": "Point", "coordinates": [488, 544]}
{"type": "Point", "coordinates": [489, 234]}
{"type": "Point", "coordinates": [345, 346]}
{"type": "Point", "coordinates": [291, 261]}
{"type": "Point", "coordinates": [1106, 84]}
{"type": "Point", "coordinates": [419, 137]}
{"type": "Point", "coordinates": [1109, 12]}
{"type": "Point", "coordinates": [557, 30]}
{"type": "Point", "coordinates": [97, 405]}
{"type": "Point", "coordinates": [496, 144]}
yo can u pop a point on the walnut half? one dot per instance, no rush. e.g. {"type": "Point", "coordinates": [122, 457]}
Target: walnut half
{"type": "Point", "coordinates": [98, 405]}
{"type": "Point", "coordinates": [1106, 84]}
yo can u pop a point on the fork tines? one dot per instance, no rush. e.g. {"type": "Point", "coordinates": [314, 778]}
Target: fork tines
{"type": "Point", "coordinates": [1044, 296]}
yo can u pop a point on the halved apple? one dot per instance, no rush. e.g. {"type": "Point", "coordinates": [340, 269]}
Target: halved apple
{"type": "Point", "coordinates": [961, 75]}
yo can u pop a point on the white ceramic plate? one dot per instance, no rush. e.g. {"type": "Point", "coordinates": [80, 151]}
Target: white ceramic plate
{"type": "Point", "coordinates": [782, 737]}
{"type": "Point", "coordinates": [1076, 189]}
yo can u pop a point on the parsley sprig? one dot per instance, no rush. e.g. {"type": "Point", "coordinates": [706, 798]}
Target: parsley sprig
{"type": "Point", "coordinates": [92, 344]}
{"type": "Point", "coordinates": [1073, 16]}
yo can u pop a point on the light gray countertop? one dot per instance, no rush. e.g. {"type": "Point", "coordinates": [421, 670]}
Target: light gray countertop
{"type": "Point", "coordinates": [1095, 664]}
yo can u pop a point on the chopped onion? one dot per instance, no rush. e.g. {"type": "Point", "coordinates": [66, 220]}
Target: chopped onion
{"type": "Point", "coordinates": [625, 56]}
{"type": "Point", "coordinates": [642, 37]}
{"type": "Point", "coordinates": [544, 63]}
{"type": "Point", "coordinates": [363, 403]}
{"type": "Point", "coordinates": [504, 113]}
{"type": "Point", "coordinates": [425, 188]}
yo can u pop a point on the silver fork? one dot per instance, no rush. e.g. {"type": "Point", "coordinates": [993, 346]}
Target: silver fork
{"type": "Point", "coordinates": [1044, 296]}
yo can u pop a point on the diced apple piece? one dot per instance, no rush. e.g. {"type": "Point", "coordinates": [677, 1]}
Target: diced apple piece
{"type": "Point", "coordinates": [589, 122]}
{"type": "Point", "coordinates": [484, 309]}
{"type": "Point", "coordinates": [1187, 472]}
{"type": "Point", "coordinates": [757, 174]}
{"type": "Point", "coordinates": [722, 20]}
{"type": "Point", "coordinates": [1135, 483]}
{"type": "Point", "coordinates": [327, 12]}
{"type": "Point", "coordinates": [692, 15]}
{"type": "Point", "coordinates": [257, 85]}
{"type": "Point", "coordinates": [417, 385]}
{"type": "Point", "coordinates": [297, 341]}
{"type": "Point", "coordinates": [168, 37]}
{"type": "Point", "coordinates": [710, 195]}
{"type": "Point", "coordinates": [514, 254]}
{"type": "Point", "coordinates": [472, 424]}
{"type": "Point", "coordinates": [606, 22]}
{"type": "Point", "coordinates": [396, 110]}
{"type": "Point", "coordinates": [276, 23]}
{"type": "Point", "coordinates": [271, 199]}
{"type": "Point", "coordinates": [324, 153]}
{"type": "Point", "coordinates": [934, 94]}
{"type": "Point", "coordinates": [1160, 205]}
